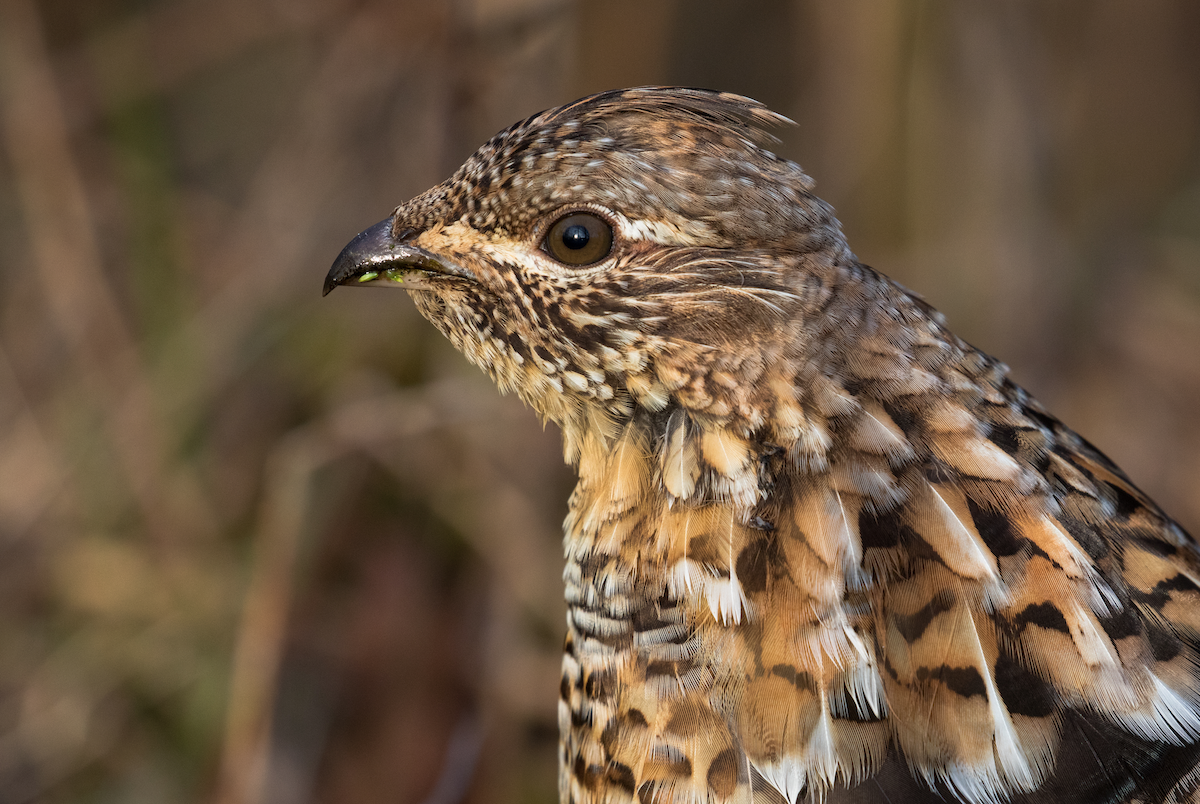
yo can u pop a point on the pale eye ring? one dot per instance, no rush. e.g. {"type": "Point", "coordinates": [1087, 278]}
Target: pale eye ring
{"type": "Point", "coordinates": [579, 238]}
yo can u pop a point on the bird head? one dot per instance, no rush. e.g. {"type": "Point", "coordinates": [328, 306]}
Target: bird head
{"type": "Point", "coordinates": [621, 252]}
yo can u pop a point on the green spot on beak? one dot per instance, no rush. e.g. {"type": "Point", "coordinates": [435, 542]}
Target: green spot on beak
{"type": "Point", "coordinates": [368, 276]}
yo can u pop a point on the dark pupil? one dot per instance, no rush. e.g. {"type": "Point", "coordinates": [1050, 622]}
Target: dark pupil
{"type": "Point", "coordinates": [576, 237]}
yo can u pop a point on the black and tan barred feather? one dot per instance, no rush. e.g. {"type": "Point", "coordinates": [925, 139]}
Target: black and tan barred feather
{"type": "Point", "coordinates": [820, 548]}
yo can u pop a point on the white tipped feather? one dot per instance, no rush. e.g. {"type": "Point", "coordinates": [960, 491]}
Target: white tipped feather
{"type": "Point", "coordinates": [829, 529]}
{"type": "Point", "coordinates": [681, 465]}
{"type": "Point", "coordinates": [726, 599]}
{"type": "Point", "coordinates": [1167, 716]}
{"type": "Point", "coordinates": [945, 523]}
{"type": "Point", "coordinates": [977, 457]}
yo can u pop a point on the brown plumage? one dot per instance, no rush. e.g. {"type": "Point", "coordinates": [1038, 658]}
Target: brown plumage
{"type": "Point", "coordinates": [820, 548]}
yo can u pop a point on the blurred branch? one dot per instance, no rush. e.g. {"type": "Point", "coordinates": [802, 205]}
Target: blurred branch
{"type": "Point", "coordinates": [260, 255]}
{"type": "Point", "coordinates": [371, 426]}
{"type": "Point", "coordinates": [152, 52]}
{"type": "Point", "coordinates": [379, 427]}
{"type": "Point", "coordinates": [67, 260]}
{"type": "Point", "coordinates": [458, 767]}
{"type": "Point", "coordinates": [264, 617]}
{"type": "Point", "coordinates": [31, 470]}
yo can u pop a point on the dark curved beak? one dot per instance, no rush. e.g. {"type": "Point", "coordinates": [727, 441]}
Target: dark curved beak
{"type": "Point", "coordinates": [378, 255]}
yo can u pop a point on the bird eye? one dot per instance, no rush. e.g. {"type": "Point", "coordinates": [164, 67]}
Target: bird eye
{"type": "Point", "coordinates": [580, 238]}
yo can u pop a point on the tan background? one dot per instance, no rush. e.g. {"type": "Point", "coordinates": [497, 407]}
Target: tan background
{"type": "Point", "coordinates": [257, 546]}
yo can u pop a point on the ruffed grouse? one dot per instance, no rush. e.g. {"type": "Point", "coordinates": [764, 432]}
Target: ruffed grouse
{"type": "Point", "coordinates": [820, 549]}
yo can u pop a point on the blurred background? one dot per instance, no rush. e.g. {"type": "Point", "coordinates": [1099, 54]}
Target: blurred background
{"type": "Point", "coordinates": [260, 546]}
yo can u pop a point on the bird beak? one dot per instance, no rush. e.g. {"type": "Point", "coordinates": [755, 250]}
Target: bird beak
{"type": "Point", "coordinates": [377, 255]}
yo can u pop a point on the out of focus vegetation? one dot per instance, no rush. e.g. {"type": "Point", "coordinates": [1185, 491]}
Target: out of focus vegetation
{"type": "Point", "coordinates": [256, 546]}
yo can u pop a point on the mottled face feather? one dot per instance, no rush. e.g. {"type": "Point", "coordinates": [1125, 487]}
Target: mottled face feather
{"type": "Point", "coordinates": [820, 548]}
{"type": "Point", "coordinates": [709, 233]}
{"type": "Point", "coordinates": [688, 160]}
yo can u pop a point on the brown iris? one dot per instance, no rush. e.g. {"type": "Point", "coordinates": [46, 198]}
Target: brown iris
{"type": "Point", "coordinates": [580, 238]}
